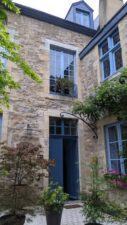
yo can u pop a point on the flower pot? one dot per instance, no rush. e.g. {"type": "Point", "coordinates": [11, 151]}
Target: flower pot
{"type": "Point", "coordinates": [12, 220]}
{"type": "Point", "coordinates": [53, 218]}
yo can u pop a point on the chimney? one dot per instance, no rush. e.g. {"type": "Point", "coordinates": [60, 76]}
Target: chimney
{"type": "Point", "coordinates": [107, 9]}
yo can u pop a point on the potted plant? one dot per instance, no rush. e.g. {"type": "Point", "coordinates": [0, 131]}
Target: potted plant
{"type": "Point", "coordinates": [21, 171]}
{"type": "Point", "coordinates": [53, 199]}
{"type": "Point", "coordinates": [96, 205]}
{"type": "Point", "coordinates": [65, 86]}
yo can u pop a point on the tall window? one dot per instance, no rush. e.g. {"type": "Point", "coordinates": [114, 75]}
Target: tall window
{"type": "Point", "coordinates": [116, 138]}
{"type": "Point", "coordinates": [62, 70]}
{"type": "Point", "coordinates": [66, 127]}
{"type": "Point", "coordinates": [82, 18]}
{"type": "Point", "coordinates": [111, 55]}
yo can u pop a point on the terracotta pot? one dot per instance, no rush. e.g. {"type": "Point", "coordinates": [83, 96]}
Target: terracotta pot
{"type": "Point", "coordinates": [12, 220]}
{"type": "Point", "coordinates": [53, 218]}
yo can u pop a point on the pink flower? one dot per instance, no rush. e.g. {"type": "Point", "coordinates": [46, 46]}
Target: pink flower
{"type": "Point", "coordinates": [114, 172]}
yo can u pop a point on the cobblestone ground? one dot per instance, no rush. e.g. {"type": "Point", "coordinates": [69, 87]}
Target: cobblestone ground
{"type": "Point", "coordinates": [69, 217]}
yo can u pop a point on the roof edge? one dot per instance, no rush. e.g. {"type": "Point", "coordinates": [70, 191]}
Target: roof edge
{"type": "Point", "coordinates": [54, 20]}
{"type": "Point", "coordinates": [101, 33]}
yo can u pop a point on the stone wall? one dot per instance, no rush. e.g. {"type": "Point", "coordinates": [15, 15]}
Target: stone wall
{"type": "Point", "coordinates": [90, 73]}
{"type": "Point", "coordinates": [32, 105]}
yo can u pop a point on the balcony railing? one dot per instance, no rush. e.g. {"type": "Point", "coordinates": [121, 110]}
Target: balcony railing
{"type": "Point", "coordinates": [63, 86]}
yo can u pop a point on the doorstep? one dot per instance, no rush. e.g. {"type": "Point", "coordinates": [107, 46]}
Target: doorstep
{"type": "Point", "coordinates": [73, 204]}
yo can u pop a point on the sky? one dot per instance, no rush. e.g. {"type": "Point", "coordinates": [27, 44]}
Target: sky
{"type": "Point", "coordinates": [57, 7]}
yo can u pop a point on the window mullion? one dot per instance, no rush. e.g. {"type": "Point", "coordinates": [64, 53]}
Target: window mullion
{"type": "Point", "coordinates": [108, 148]}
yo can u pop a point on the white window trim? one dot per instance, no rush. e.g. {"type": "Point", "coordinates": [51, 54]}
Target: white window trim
{"type": "Point", "coordinates": [49, 42]}
{"type": "Point", "coordinates": [117, 125]}
{"type": "Point", "coordinates": [110, 54]}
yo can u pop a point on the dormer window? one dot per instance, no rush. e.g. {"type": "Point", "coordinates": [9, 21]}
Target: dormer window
{"type": "Point", "coordinates": [82, 18]}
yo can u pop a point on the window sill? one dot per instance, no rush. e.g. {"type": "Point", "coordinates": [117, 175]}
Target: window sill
{"type": "Point", "coordinates": [61, 97]}
{"type": "Point", "coordinates": [114, 75]}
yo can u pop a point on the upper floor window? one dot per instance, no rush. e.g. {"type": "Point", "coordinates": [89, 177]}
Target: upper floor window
{"type": "Point", "coordinates": [111, 55]}
{"type": "Point", "coordinates": [62, 71]}
{"type": "Point", "coordinates": [116, 138]}
{"type": "Point", "coordinates": [82, 18]}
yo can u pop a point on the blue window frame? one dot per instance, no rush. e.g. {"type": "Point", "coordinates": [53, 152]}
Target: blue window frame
{"type": "Point", "coordinates": [111, 55]}
{"type": "Point", "coordinates": [65, 127]}
{"type": "Point", "coordinates": [116, 141]}
{"type": "Point", "coordinates": [82, 18]}
{"type": "Point", "coordinates": [62, 65]}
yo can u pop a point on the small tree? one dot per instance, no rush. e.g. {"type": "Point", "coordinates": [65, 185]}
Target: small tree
{"type": "Point", "coordinates": [22, 169]}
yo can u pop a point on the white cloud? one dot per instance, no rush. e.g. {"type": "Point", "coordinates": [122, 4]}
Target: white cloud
{"type": "Point", "coordinates": [57, 7]}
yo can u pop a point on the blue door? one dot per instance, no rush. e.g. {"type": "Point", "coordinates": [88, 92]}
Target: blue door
{"type": "Point", "coordinates": [63, 149]}
{"type": "Point", "coordinates": [71, 172]}
{"type": "Point", "coordinates": [56, 153]}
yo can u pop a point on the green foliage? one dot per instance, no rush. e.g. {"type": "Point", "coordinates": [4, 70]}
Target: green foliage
{"type": "Point", "coordinates": [96, 205]}
{"type": "Point", "coordinates": [53, 198]}
{"type": "Point", "coordinates": [108, 99]}
{"type": "Point", "coordinates": [10, 51]}
{"type": "Point", "coordinates": [64, 85]}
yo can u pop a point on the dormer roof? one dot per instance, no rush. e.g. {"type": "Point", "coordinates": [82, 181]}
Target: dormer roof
{"type": "Point", "coordinates": [78, 3]}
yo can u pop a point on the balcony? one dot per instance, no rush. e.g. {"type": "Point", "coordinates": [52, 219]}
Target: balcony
{"type": "Point", "coordinates": [63, 86]}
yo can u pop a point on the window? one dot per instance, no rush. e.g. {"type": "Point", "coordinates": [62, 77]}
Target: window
{"type": "Point", "coordinates": [82, 18]}
{"type": "Point", "coordinates": [62, 67]}
{"type": "Point", "coordinates": [66, 127]}
{"type": "Point", "coordinates": [111, 55]}
{"type": "Point", "coordinates": [116, 138]}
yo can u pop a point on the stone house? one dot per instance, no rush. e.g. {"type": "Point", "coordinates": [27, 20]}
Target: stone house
{"type": "Point", "coordinates": [67, 49]}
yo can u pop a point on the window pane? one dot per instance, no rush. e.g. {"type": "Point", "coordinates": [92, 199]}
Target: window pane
{"type": "Point", "coordinates": [116, 38]}
{"type": "Point", "coordinates": [78, 17]}
{"type": "Point", "coordinates": [114, 151]}
{"type": "Point", "coordinates": [86, 20]}
{"type": "Point", "coordinates": [118, 59]}
{"type": "Point", "coordinates": [67, 130]}
{"type": "Point", "coordinates": [52, 130]}
{"type": "Point", "coordinates": [125, 166]}
{"type": "Point", "coordinates": [57, 65]}
{"type": "Point", "coordinates": [112, 131]}
{"type": "Point", "coordinates": [106, 67]}
{"type": "Point", "coordinates": [82, 18]}
{"type": "Point", "coordinates": [73, 131]}
{"type": "Point", "coordinates": [58, 130]}
{"type": "Point", "coordinates": [124, 131]}
{"type": "Point", "coordinates": [105, 47]}
{"type": "Point", "coordinates": [124, 149]}
{"type": "Point", "coordinates": [58, 122]}
{"type": "Point", "coordinates": [115, 165]}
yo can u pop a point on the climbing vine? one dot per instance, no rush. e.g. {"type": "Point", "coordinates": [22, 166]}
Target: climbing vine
{"type": "Point", "coordinates": [110, 98]}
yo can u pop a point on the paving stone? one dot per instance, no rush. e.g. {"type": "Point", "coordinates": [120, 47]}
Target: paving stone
{"type": "Point", "coordinates": [69, 217]}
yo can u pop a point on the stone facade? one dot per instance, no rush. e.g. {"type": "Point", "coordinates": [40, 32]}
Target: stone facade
{"type": "Point", "coordinates": [33, 104]}
{"type": "Point", "coordinates": [90, 73]}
